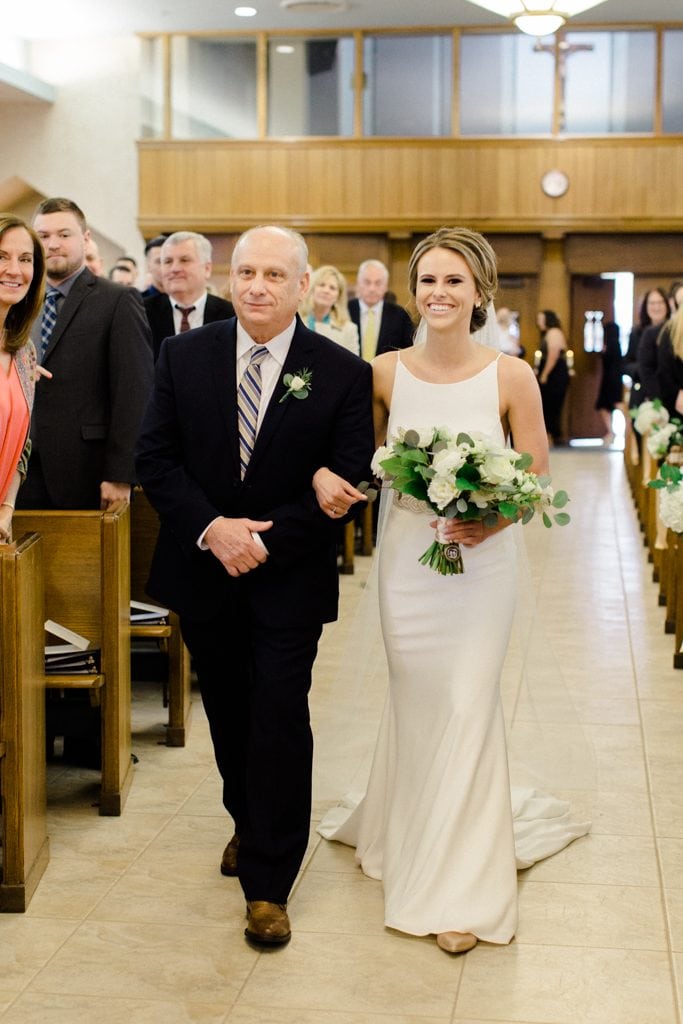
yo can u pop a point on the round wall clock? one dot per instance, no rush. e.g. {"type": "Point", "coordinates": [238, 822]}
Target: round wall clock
{"type": "Point", "coordinates": [554, 183]}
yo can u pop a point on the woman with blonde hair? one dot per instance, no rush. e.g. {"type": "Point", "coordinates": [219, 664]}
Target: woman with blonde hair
{"type": "Point", "coordinates": [22, 277]}
{"type": "Point", "coordinates": [325, 308]}
{"type": "Point", "coordinates": [670, 363]}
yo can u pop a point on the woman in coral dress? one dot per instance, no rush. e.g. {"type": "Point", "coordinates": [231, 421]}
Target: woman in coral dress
{"type": "Point", "coordinates": [22, 275]}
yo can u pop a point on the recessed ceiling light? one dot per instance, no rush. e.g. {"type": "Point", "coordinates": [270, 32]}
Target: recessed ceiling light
{"type": "Point", "coordinates": [245, 12]}
{"type": "Point", "coordinates": [315, 6]}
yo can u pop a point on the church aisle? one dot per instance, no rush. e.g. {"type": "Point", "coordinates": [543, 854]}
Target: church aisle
{"type": "Point", "coordinates": [133, 922]}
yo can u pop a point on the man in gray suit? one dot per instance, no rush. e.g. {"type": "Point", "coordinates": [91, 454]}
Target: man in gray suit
{"type": "Point", "coordinates": [95, 340]}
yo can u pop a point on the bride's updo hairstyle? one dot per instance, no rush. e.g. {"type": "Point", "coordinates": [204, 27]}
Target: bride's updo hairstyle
{"type": "Point", "coordinates": [477, 254]}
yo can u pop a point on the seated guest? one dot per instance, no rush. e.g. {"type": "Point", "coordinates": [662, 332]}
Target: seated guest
{"type": "Point", "coordinates": [325, 308]}
{"type": "Point", "coordinates": [185, 272]}
{"type": "Point", "coordinates": [382, 324]}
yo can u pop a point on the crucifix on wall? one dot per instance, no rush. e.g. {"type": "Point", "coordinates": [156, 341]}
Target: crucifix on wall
{"type": "Point", "coordinates": [561, 50]}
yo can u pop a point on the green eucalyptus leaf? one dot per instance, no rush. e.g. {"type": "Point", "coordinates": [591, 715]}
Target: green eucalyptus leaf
{"type": "Point", "coordinates": [463, 438]}
{"type": "Point", "coordinates": [287, 379]}
{"type": "Point", "coordinates": [527, 515]}
{"type": "Point", "coordinates": [524, 461]}
{"type": "Point", "coordinates": [508, 509]}
{"type": "Point", "coordinates": [560, 499]}
{"type": "Point", "coordinates": [562, 518]}
{"type": "Point", "coordinates": [300, 394]}
{"type": "Point", "coordinates": [546, 520]}
{"type": "Point", "coordinates": [411, 438]}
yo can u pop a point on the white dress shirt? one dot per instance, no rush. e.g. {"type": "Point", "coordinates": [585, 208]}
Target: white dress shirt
{"type": "Point", "coordinates": [195, 318]}
{"type": "Point", "coordinates": [271, 374]}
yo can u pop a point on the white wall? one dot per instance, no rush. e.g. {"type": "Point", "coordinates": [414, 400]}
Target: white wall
{"type": "Point", "coordinates": [83, 146]}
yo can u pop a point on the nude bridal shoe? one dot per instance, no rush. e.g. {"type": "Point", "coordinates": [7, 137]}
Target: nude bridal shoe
{"type": "Point", "coordinates": [456, 942]}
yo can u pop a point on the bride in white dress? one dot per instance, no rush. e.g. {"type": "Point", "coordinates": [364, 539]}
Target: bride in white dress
{"type": "Point", "coordinates": [436, 821]}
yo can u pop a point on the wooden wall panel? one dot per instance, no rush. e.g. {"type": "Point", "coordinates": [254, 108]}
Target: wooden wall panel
{"type": "Point", "coordinates": [356, 185]}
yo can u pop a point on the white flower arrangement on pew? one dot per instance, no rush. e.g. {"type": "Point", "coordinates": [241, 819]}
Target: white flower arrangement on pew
{"type": "Point", "coordinates": [648, 415]}
{"type": "Point", "coordinates": [669, 483]}
{"type": "Point", "coordinates": [465, 477]}
{"type": "Point", "coordinates": [661, 439]}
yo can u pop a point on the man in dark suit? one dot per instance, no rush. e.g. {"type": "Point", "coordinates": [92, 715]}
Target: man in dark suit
{"type": "Point", "coordinates": [185, 271]}
{"type": "Point", "coordinates": [245, 555]}
{"type": "Point", "coordinates": [382, 325]}
{"type": "Point", "coordinates": [95, 341]}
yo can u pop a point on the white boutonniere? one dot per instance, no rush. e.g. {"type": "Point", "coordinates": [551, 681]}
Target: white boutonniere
{"type": "Point", "coordinates": [298, 384]}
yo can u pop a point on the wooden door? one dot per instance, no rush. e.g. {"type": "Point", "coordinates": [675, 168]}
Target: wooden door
{"type": "Point", "coordinates": [587, 293]}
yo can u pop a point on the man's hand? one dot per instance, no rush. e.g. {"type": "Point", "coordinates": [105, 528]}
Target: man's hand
{"type": "Point", "coordinates": [111, 492]}
{"type": "Point", "coordinates": [335, 495]}
{"type": "Point", "coordinates": [231, 541]}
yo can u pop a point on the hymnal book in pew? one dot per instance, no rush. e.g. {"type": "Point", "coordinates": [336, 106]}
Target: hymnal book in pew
{"type": "Point", "coordinates": [148, 614]}
{"type": "Point", "coordinates": [73, 656]}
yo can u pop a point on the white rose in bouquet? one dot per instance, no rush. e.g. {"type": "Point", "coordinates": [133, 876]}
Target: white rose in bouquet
{"type": "Point", "coordinates": [499, 469]}
{"type": "Point", "coordinates": [382, 453]}
{"type": "Point", "coordinates": [425, 435]}
{"type": "Point", "coordinates": [448, 460]}
{"type": "Point", "coordinates": [441, 491]}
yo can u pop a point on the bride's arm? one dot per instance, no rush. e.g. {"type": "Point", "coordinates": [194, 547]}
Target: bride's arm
{"type": "Point", "coordinates": [336, 495]}
{"type": "Point", "coordinates": [521, 409]}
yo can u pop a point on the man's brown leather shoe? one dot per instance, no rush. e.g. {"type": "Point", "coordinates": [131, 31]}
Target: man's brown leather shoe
{"type": "Point", "coordinates": [267, 923]}
{"type": "Point", "coordinates": [229, 859]}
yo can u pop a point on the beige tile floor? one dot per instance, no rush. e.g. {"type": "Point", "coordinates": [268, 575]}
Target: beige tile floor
{"type": "Point", "coordinates": [133, 922]}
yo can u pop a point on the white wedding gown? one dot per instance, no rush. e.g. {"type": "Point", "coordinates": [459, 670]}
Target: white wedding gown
{"type": "Point", "coordinates": [436, 822]}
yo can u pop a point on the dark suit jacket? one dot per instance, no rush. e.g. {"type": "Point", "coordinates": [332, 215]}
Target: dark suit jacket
{"type": "Point", "coordinates": [188, 463]}
{"type": "Point", "coordinates": [396, 329]}
{"type": "Point", "coordinates": [86, 419]}
{"type": "Point", "coordinates": [160, 315]}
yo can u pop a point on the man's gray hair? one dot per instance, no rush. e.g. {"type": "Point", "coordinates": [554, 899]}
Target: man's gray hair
{"type": "Point", "coordinates": [201, 242]}
{"type": "Point", "coordinates": [372, 264]}
{"type": "Point", "coordinates": [298, 240]}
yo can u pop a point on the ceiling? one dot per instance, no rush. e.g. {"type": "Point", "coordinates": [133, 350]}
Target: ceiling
{"type": "Point", "coordinates": [47, 19]}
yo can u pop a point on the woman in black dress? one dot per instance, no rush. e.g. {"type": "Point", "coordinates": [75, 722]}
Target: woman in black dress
{"type": "Point", "coordinates": [553, 374]}
{"type": "Point", "coordinates": [653, 312]}
{"type": "Point", "coordinates": [611, 387]}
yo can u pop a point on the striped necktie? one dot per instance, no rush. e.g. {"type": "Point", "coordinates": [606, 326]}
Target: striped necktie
{"type": "Point", "coordinates": [248, 402]}
{"type": "Point", "coordinates": [369, 345]}
{"type": "Point", "coordinates": [185, 317]}
{"type": "Point", "coordinates": [47, 324]}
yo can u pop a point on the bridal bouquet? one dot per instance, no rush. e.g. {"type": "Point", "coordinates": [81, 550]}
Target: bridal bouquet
{"type": "Point", "coordinates": [465, 477]}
